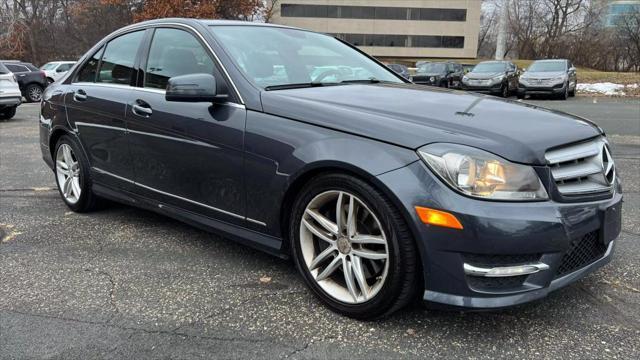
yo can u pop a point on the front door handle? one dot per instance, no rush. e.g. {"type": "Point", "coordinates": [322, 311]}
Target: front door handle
{"type": "Point", "coordinates": [80, 95]}
{"type": "Point", "coordinates": [141, 108]}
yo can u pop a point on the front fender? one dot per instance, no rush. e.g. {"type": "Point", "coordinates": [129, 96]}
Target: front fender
{"type": "Point", "coordinates": [282, 154]}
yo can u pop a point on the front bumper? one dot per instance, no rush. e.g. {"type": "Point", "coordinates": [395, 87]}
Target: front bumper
{"type": "Point", "coordinates": [489, 89]}
{"type": "Point", "coordinates": [541, 90]}
{"type": "Point", "coordinates": [501, 234]}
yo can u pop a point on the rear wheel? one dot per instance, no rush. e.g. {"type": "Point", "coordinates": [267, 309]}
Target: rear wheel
{"type": "Point", "coordinates": [72, 175]}
{"type": "Point", "coordinates": [8, 113]}
{"type": "Point", "coordinates": [33, 93]}
{"type": "Point", "coordinates": [352, 247]}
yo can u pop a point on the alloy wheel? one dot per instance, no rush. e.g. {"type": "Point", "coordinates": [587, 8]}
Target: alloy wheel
{"type": "Point", "coordinates": [35, 93]}
{"type": "Point", "coordinates": [344, 247]}
{"type": "Point", "coordinates": [68, 173]}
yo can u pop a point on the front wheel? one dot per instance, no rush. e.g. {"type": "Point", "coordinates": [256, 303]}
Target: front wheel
{"type": "Point", "coordinates": [352, 247]}
{"type": "Point", "coordinates": [72, 175]}
{"type": "Point", "coordinates": [572, 93]}
{"type": "Point", "coordinates": [504, 91]}
{"type": "Point", "coordinates": [8, 113]}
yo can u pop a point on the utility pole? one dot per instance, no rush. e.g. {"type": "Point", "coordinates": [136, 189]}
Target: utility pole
{"type": "Point", "coordinates": [501, 43]}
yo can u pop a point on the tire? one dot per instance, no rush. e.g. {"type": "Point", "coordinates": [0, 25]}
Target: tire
{"type": "Point", "coordinates": [565, 94]}
{"type": "Point", "coordinates": [504, 91]}
{"type": "Point", "coordinates": [33, 93]}
{"type": "Point", "coordinates": [396, 282]}
{"type": "Point", "coordinates": [87, 200]}
{"type": "Point", "coordinates": [444, 84]}
{"type": "Point", "coordinates": [8, 113]}
{"type": "Point", "coordinates": [50, 81]}
{"type": "Point", "coordinates": [572, 93]}
{"type": "Point", "coordinates": [521, 95]}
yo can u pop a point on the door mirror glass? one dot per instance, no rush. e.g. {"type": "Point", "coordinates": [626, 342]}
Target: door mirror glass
{"type": "Point", "coordinates": [193, 88]}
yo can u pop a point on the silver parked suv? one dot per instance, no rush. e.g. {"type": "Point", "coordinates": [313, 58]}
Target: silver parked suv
{"type": "Point", "coordinates": [10, 96]}
{"type": "Point", "coordinates": [555, 78]}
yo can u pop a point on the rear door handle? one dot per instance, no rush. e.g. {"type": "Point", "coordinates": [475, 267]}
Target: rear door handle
{"type": "Point", "coordinates": [141, 108]}
{"type": "Point", "coordinates": [80, 95]}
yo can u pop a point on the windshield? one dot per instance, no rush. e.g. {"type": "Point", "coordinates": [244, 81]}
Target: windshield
{"type": "Point", "coordinates": [547, 66]}
{"type": "Point", "coordinates": [272, 56]}
{"type": "Point", "coordinates": [489, 67]}
{"type": "Point", "coordinates": [432, 68]}
{"type": "Point", "coordinates": [48, 66]}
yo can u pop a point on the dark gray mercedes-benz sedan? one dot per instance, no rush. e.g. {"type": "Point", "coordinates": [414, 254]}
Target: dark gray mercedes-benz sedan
{"type": "Point", "coordinates": [303, 146]}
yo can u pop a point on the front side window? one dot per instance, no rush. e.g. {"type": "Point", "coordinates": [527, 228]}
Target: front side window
{"type": "Point", "coordinates": [118, 58]}
{"type": "Point", "coordinates": [48, 66]}
{"type": "Point", "coordinates": [432, 68]}
{"type": "Point", "coordinates": [89, 70]}
{"type": "Point", "coordinates": [271, 56]}
{"type": "Point", "coordinates": [175, 52]}
{"type": "Point", "coordinates": [64, 67]}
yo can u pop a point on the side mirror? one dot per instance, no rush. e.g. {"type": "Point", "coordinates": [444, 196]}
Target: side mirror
{"type": "Point", "coordinates": [194, 88]}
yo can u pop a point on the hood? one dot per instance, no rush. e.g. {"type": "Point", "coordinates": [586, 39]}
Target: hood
{"type": "Point", "coordinates": [410, 116]}
{"type": "Point", "coordinates": [483, 75]}
{"type": "Point", "coordinates": [542, 74]}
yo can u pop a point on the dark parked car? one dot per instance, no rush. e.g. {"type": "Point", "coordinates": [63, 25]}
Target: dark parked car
{"type": "Point", "coordinates": [32, 80]}
{"type": "Point", "coordinates": [492, 77]}
{"type": "Point", "coordinates": [375, 187]}
{"type": "Point", "coordinates": [400, 69]}
{"type": "Point", "coordinates": [443, 74]}
{"type": "Point", "coordinates": [556, 78]}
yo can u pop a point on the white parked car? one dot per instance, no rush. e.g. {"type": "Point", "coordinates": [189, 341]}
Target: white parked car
{"type": "Point", "coordinates": [55, 69]}
{"type": "Point", "coordinates": [10, 96]}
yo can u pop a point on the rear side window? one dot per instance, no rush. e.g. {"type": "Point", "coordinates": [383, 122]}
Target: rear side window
{"type": "Point", "coordinates": [175, 52]}
{"type": "Point", "coordinates": [89, 70]}
{"type": "Point", "coordinates": [17, 68]}
{"type": "Point", "coordinates": [116, 66]}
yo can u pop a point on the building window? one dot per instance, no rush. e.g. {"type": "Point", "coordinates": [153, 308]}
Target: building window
{"type": "Point", "coordinates": [372, 12]}
{"type": "Point", "coordinates": [415, 41]}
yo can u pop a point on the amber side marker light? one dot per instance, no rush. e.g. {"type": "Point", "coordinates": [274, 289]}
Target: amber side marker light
{"type": "Point", "coordinates": [438, 218]}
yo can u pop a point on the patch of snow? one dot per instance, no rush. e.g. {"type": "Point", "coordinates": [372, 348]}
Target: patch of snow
{"type": "Point", "coordinates": [605, 88]}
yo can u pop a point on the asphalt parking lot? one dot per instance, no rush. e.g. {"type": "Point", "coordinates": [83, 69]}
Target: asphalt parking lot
{"type": "Point", "coordinates": [127, 283]}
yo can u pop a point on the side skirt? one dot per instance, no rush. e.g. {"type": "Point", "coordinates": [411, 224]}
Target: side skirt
{"type": "Point", "coordinates": [262, 242]}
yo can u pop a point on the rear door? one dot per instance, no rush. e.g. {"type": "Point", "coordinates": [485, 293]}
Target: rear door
{"type": "Point", "coordinates": [96, 106]}
{"type": "Point", "coordinates": [21, 72]}
{"type": "Point", "coordinates": [189, 155]}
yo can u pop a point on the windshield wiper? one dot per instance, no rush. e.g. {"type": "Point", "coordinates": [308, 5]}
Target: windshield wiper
{"type": "Point", "coordinates": [361, 81]}
{"type": "Point", "coordinates": [298, 85]}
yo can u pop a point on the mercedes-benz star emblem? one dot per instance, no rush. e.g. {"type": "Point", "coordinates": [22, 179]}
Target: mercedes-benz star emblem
{"type": "Point", "coordinates": [608, 167]}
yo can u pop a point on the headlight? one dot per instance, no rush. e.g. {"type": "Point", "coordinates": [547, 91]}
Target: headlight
{"type": "Point", "coordinates": [559, 79]}
{"type": "Point", "coordinates": [465, 78]}
{"type": "Point", "coordinates": [480, 174]}
{"type": "Point", "coordinates": [497, 79]}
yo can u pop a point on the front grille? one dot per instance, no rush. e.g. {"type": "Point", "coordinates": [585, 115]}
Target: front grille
{"type": "Point", "coordinates": [582, 252]}
{"type": "Point", "coordinates": [584, 168]}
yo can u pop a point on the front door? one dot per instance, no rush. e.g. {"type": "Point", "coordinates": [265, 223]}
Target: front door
{"type": "Point", "coordinates": [186, 154]}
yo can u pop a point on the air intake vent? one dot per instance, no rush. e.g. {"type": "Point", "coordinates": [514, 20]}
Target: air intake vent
{"type": "Point", "coordinates": [584, 168]}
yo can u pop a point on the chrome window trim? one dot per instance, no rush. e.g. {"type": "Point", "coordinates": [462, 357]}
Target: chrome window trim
{"type": "Point", "coordinates": [194, 30]}
{"type": "Point", "coordinates": [177, 197]}
{"type": "Point", "coordinates": [499, 271]}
